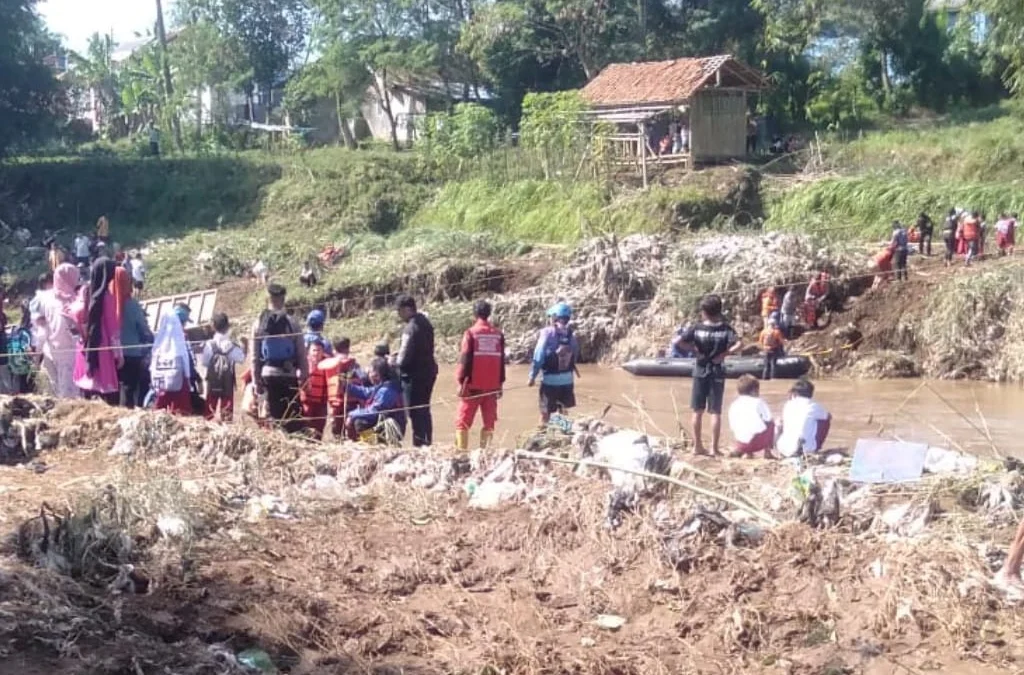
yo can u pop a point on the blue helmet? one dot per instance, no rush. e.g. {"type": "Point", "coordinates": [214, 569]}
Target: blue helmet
{"type": "Point", "coordinates": [316, 318]}
{"type": "Point", "coordinates": [560, 310]}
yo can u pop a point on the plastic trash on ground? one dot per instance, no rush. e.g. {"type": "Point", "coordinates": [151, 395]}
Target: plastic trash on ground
{"type": "Point", "coordinates": [257, 661]}
{"type": "Point", "coordinates": [877, 460]}
{"type": "Point", "coordinates": [942, 461]}
{"type": "Point", "coordinates": [498, 487]}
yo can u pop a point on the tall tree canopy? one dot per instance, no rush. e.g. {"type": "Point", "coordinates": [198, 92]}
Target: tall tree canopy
{"type": "Point", "coordinates": [29, 92]}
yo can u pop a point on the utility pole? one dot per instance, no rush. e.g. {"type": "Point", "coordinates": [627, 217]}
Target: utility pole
{"type": "Point", "coordinates": [168, 85]}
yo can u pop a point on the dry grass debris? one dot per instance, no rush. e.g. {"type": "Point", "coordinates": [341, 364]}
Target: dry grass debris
{"type": "Point", "coordinates": [372, 558]}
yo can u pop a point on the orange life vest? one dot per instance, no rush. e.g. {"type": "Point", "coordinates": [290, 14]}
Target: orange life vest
{"type": "Point", "coordinates": [482, 360]}
{"type": "Point", "coordinates": [970, 231]}
{"type": "Point", "coordinates": [769, 302]}
{"type": "Point", "coordinates": [315, 389]}
{"type": "Point", "coordinates": [771, 339]}
{"type": "Point", "coordinates": [335, 370]}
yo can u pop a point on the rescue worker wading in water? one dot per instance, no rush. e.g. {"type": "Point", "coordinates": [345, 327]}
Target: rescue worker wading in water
{"type": "Point", "coordinates": [480, 376]}
{"type": "Point", "coordinates": [555, 359]}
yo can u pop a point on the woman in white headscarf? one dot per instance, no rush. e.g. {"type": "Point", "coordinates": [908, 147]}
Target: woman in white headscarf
{"type": "Point", "coordinates": [171, 368]}
{"type": "Point", "coordinates": [53, 326]}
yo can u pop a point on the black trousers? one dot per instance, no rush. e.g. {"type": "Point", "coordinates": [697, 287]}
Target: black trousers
{"type": "Point", "coordinates": [769, 365]}
{"type": "Point", "coordinates": [901, 264]}
{"type": "Point", "coordinates": [283, 402]}
{"type": "Point", "coordinates": [133, 387]}
{"type": "Point", "coordinates": [924, 247]}
{"type": "Point", "coordinates": [417, 390]}
{"type": "Point", "coordinates": [950, 248]}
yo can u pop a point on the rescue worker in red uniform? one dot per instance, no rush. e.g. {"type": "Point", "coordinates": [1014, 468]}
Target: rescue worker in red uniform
{"type": "Point", "coordinates": [480, 376]}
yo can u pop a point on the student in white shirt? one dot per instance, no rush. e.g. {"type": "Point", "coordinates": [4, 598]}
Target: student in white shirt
{"type": "Point", "coordinates": [805, 424]}
{"type": "Point", "coordinates": [750, 420]}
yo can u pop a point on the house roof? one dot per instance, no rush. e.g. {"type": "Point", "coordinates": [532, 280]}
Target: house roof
{"type": "Point", "coordinates": [661, 82]}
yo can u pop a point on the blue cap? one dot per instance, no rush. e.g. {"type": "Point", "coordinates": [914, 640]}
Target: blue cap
{"type": "Point", "coordinates": [561, 310]}
{"type": "Point", "coordinates": [316, 318]}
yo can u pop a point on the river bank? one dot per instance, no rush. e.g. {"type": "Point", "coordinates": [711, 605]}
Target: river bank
{"type": "Point", "coordinates": [172, 544]}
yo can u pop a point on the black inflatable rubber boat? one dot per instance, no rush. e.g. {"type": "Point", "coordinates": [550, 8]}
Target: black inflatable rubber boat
{"type": "Point", "coordinates": [787, 367]}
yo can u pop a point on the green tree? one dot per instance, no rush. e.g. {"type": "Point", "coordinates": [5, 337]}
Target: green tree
{"type": "Point", "coordinates": [1007, 22]}
{"type": "Point", "coordinates": [204, 59]}
{"type": "Point", "coordinates": [338, 75]}
{"type": "Point", "coordinates": [94, 72]}
{"type": "Point", "coordinates": [271, 35]}
{"type": "Point", "coordinates": [387, 41]}
{"type": "Point", "coordinates": [29, 93]}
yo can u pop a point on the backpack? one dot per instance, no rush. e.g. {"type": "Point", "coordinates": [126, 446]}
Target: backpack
{"type": "Point", "coordinates": [220, 376]}
{"type": "Point", "coordinates": [168, 373]}
{"type": "Point", "coordinates": [278, 345]}
{"type": "Point", "coordinates": [19, 348]}
{"type": "Point", "coordinates": [561, 359]}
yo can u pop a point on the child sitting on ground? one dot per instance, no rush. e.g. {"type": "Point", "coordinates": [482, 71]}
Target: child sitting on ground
{"type": "Point", "coordinates": [750, 420]}
{"type": "Point", "coordinates": [805, 424]}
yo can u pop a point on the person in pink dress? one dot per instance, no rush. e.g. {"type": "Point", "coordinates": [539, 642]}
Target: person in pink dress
{"type": "Point", "coordinates": [98, 357]}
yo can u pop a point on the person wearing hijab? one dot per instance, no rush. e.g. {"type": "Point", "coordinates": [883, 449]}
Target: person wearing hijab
{"type": "Point", "coordinates": [171, 370]}
{"type": "Point", "coordinates": [99, 354]}
{"type": "Point", "coordinates": [136, 338]}
{"type": "Point", "coordinates": [54, 330]}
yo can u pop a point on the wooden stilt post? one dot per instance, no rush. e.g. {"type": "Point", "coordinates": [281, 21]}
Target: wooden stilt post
{"type": "Point", "coordinates": [642, 145]}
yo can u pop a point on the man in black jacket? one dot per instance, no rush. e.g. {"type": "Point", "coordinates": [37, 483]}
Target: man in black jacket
{"type": "Point", "coordinates": [418, 369]}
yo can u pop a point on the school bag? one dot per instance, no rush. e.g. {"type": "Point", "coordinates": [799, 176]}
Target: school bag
{"type": "Point", "coordinates": [168, 374]}
{"type": "Point", "coordinates": [19, 348]}
{"type": "Point", "coordinates": [220, 376]}
{"type": "Point", "coordinates": [278, 346]}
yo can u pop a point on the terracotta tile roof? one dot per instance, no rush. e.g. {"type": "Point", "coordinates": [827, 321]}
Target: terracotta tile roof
{"type": "Point", "coordinates": [658, 81]}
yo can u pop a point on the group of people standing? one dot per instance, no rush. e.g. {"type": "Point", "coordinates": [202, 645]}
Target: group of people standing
{"type": "Point", "coordinates": [78, 330]}
{"type": "Point", "coordinates": [964, 233]}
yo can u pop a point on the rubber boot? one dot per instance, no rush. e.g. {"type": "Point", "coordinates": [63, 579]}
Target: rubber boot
{"type": "Point", "coordinates": [462, 439]}
{"type": "Point", "coordinates": [486, 437]}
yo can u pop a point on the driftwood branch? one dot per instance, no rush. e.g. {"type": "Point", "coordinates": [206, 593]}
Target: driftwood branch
{"type": "Point", "coordinates": [760, 515]}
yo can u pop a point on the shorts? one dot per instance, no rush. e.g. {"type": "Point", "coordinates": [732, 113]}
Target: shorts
{"type": "Point", "coordinates": [708, 394]}
{"type": "Point", "coordinates": [137, 285]}
{"type": "Point", "coordinates": [555, 397]}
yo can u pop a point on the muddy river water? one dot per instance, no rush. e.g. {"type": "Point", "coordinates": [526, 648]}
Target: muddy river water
{"type": "Point", "coordinates": [940, 413]}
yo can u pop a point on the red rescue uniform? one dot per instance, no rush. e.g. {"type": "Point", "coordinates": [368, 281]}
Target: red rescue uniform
{"type": "Point", "coordinates": [480, 375]}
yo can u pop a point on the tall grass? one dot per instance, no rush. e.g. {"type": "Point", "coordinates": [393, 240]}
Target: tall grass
{"type": "Point", "coordinates": [846, 208]}
{"type": "Point", "coordinates": [974, 326]}
{"type": "Point", "coordinates": [537, 211]}
{"type": "Point", "coordinates": [976, 151]}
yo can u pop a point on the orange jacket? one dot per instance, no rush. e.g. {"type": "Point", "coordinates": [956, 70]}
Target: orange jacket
{"type": "Point", "coordinates": [336, 369]}
{"type": "Point", "coordinates": [771, 339]}
{"type": "Point", "coordinates": [769, 302]}
{"type": "Point", "coordinates": [482, 358]}
{"type": "Point", "coordinates": [315, 389]}
{"type": "Point", "coordinates": [971, 229]}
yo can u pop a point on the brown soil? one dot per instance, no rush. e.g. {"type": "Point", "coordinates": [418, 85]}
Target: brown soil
{"type": "Point", "coordinates": [396, 579]}
{"type": "Point", "coordinates": [879, 320]}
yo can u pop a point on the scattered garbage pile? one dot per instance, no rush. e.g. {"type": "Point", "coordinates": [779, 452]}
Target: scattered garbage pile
{"type": "Point", "coordinates": [609, 532]}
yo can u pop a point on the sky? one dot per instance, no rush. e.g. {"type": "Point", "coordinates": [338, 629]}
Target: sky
{"type": "Point", "coordinates": [76, 20]}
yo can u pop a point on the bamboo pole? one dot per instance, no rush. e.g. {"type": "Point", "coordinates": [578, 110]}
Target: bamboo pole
{"type": "Point", "coordinates": [642, 146]}
{"type": "Point", "coordinates": [760, 515]}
